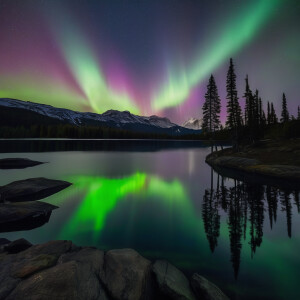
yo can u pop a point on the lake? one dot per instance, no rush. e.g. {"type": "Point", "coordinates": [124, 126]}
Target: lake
{"type": "Point", "coordinates": [162, 199]}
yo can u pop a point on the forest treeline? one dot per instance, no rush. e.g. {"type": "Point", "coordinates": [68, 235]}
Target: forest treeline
{"type": "Point", "coordinates": [251, 124]}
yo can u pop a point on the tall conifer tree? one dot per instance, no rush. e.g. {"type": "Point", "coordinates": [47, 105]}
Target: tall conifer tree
{"type": "Point", "coordinates": [284, 113]}
{"type": "Point", "coordinates": [211, 107]}
{"type": "Point", "coordinates": [248, 103]}
{"type": "Point", "coordinates": [234, 112]}
{"type": "Point", "coordinates": [274, 119]}
{"type": "Point", "coordinates": [269, 114]}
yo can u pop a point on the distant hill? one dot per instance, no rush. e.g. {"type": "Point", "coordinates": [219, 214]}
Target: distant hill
{"type": "Point", "coordinates": [14, 113]}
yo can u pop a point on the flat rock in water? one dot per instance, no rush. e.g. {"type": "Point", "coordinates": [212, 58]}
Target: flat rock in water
{"type": "Point", "coordinates": [31, 189]}
{"type": "Point", "coordinates": [24, 215]}
{"type": "Point", "coordinates": [206, 290]}
{"type": "Point", "coordinates": [18, 163]}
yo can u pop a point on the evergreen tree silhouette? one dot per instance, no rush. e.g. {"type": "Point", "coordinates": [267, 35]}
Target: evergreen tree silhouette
{"type": "Point", "coordinates": [211, 217]}
{"type": "Point", "coordinates": [269, 114]}
{"type": "Point", "coordinates": [211, 107]}
{"type": "Point", "coordinates": [286, 206]}
{"type": "Point", "coordinates": [274, 119]}
{"type": "Point", "coordinates": [298, 115]}
{"type": "Point", "coordinates": [284, 113]}
{"type": "Point", "coordinates": [235, 224]}
{"type": "Point", "coordinates": [271, 195]}
{"type": "Point", "coordinates": [256, 207]}
{"type": "Point", "coordinates": [248, 104]}
{"type": "Point", "coordinates": [297, 201]}
{"type": "Point", "coordinates": [224, 192]}
{"type": "Point", "coordinates": [234, 112]}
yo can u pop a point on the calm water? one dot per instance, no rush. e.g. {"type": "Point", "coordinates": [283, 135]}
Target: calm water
{"type": "Point", "coordinates": [166, 202]}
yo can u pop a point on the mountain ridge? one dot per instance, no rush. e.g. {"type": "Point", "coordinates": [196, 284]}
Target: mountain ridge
{"type": "Point", "coordinates": [111, 118]}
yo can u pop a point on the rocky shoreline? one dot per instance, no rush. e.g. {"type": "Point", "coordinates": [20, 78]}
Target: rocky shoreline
{"type": "Point", "coordinates": [254, 161]}
{"type": "Point", "coordinates": [62, 270]}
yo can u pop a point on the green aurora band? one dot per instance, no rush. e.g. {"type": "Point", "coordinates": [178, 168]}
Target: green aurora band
{"type": "Point", "coordinates": [238, 32]}
{"type": "Point", "coordinates": [86, 70]}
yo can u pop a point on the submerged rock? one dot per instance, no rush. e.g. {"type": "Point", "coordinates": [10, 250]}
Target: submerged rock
{"type": "Point", "coordinates": [31, 189]}
{"type": "Point", "coordinates": [206, 290]}
{"type": "Point", "coordinates": [18, 163]}
{"type": "Point", "coordinates": [172, 282]}
{"type": "Point", "coordinates": [24, 215]}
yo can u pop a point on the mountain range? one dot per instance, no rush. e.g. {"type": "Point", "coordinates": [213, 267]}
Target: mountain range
{"type": "Point", "coordinates": [24, 113]}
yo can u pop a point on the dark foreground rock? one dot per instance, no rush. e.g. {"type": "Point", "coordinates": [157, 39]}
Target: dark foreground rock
{"type": "Point", "coordinates": [31, 189]}
{"type": "Point", "coordinates": [61, 270]}
{"type": "Point", "coordinates": [24, 215]}
{"type": "Point", "coordinates": [18, 163]}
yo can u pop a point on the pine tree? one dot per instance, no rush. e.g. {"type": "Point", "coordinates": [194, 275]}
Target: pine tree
{"type": "Point", "coordinates": [284, 113]}
{"type": "Point", "coordinates": [211, 107]}
{"type": "Point", "coordinates": [274, 119]}
{"type": "Point", "coordinates": [298, 116]}
{"type": "Point", "coordinates": [269, 114]}
{"type": "Point", "coordinates": [234, 112]}
{"type": "Point", "coordinates": [248, 104]}
{"type": "Point", "coordinates": [256, 116]}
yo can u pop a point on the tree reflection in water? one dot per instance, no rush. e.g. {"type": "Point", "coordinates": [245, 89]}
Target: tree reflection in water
{"type": "Point", "coordinates": [244, 205]}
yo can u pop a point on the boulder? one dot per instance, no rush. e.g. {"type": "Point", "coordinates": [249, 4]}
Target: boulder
{"type": "Point", "coordinates": [56, 248]}
{"type": "Point", "coordinates": [18, 163]}
{"type": "Point", "coordinates": [125, 274]}
{"type": "Point", "coordinates": [61, 270]}
{"type": "Point", "coordinates": [206, 290]}
{"type": "Point", "coordinates": [17, 246]}
{"type": "Point", "coordinates": [24, 215]}
{"type": "Point", "coordinates": [171, 282]}
{"type": "Point", "coordinates": [70, 280]}
{"type": "Point", "coordinates": [31, 189]}
{"type": "Point", "coordinates": [28, 267]}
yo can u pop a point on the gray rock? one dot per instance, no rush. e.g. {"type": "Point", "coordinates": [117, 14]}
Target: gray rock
{"type": "Point", "coordinates": [28, 267]}
{"type": "Point", "coordinates": [56, 248]}
{"type": "Point", "coordinates": [172, 282]}
{"type": "Point", "coordinates": [70, 280]}
{"type": "Point", "coordinates": [17, 246]}
{"type": "Point", "coordinates": [125, 274]}
{"type": "Point", "coordinates": [206, 290]}
{"type": "Point", "coordinates": [7, 282]}
{"type": "Point", "coordinates": [31, 189]}
{"type": "Point", "coordinates": [24, 215]}
{"type": "Point", "coordinates": [61, 270]}
{"type": "Point", "coordinates": [18, 163]}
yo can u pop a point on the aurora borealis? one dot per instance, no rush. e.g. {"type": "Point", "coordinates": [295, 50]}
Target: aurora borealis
{"type": "Point", "coordinates": [148, 57]}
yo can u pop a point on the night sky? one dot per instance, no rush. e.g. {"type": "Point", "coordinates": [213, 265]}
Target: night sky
{"type": "Point", "coordinates": [148, 57]}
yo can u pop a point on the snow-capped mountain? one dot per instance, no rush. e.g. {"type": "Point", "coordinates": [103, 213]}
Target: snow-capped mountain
{"type": "Point", "coordinates": [193, 123]}
{"type": "Point", "coordinates": [111, 118]}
